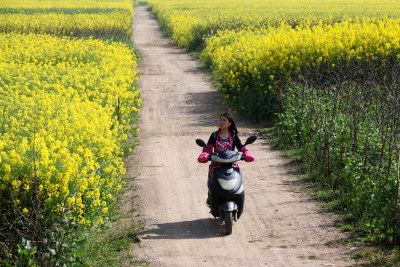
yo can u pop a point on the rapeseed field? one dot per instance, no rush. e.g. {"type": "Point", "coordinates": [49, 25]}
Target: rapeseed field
{"type": "Point", "coordinates": [68, 100]}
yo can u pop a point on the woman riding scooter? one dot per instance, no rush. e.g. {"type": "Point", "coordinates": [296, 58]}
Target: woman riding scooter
{"type": "Point", "coordinates": [226, 138]}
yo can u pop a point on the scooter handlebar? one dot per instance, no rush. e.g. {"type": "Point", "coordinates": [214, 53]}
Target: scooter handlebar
{"type": "Point", "coordinates": [212, 153]}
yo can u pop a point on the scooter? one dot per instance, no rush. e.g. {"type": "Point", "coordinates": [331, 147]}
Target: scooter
{"type": "Point", "coordinates": [225, 187]}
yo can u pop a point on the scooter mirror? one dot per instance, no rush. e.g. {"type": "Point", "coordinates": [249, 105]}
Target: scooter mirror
{"type": "Point", "coordinates": [251, 140]}
{"type": "Point", "coordinates": [201, 143]}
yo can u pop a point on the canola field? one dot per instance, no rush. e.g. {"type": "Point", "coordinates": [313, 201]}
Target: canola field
{"type": "Point", "coordinates": [101, 19]}
{"type": "Point", "coordinates": [58, 97]}
{"type": "Point", "coordinates": [68, 101]}
{"type": "Point", "coordinates": [254, 65]}
{"type": "Point", "coordinates": [326, 73]}
{"type": "Point", "coordinates": [189, 21]}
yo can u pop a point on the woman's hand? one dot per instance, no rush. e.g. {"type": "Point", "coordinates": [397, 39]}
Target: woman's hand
{"type": "Point", "coordinates": [203, 158]}
{"type": "Point", "coordinates": [248, 157]}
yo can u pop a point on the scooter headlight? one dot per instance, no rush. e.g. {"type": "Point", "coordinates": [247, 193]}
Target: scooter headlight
{"type": "Point", "coordinates": [227, 184]}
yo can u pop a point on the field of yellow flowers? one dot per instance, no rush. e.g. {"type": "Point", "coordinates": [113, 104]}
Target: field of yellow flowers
{"type": "Point", "coordinates": [189, 21]}
{"type": "Point", "coordinates": [68, 97]}
{"type": "Point", "coordinates": [327, 73]}
{"type": "Point", "coordinates": [252, 65]}
{"type": "Point", "coordinates": [99, 19]}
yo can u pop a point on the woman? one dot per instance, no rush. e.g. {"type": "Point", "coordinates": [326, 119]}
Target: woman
{"type": "Point", "coordinates": [226, 138]}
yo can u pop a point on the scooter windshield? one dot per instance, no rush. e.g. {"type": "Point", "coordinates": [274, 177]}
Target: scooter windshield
{"type": "Point", "coordinates": [227, 156]}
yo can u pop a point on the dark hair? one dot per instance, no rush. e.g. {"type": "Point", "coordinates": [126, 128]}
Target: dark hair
{"type": "Point", "coordinates": [230, 118]}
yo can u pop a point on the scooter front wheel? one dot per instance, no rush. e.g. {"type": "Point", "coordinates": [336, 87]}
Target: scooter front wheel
{"type": "Point", "coordinates": [228, 222]}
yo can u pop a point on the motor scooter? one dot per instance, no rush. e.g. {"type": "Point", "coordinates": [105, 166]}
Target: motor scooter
{"type": "Point", "coordinates": [225, 187]}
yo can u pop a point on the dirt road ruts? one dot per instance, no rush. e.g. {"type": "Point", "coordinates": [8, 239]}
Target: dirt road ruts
{"type": "Point", "coordinates": [280, 226]}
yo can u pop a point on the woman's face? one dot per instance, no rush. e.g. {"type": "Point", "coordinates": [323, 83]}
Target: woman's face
{"type": "Point", "coordinates": [224, 123]}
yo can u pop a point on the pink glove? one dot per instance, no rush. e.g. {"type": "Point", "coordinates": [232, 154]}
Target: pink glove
{"type": "Point", "coordinates": [248, 157]}
{"type": "Point", "coordinates": [203, 158]}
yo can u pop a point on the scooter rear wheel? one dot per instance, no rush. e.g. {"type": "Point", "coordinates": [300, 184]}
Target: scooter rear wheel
{"type": "Point", "coordinates": [228, 222]}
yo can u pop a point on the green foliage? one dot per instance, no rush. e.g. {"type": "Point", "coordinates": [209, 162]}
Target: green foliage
{"type": "Point", "coordinates": [109, 246]}
{"type": "Point", "coordinates": [346, 227]}
{"type": "Point", "coordinates": [347, 137]}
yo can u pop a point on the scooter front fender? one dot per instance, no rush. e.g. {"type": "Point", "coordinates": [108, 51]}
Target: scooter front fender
{"type": "Point", "coordinates": [229, 206]}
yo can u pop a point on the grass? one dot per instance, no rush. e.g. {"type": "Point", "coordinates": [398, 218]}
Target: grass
{"type": "Point", "coordinates": [345, 227]}
{"type": "Point", "coordinates": [109, 247]}
{"type": "Point", "coordinates": [111, 244]}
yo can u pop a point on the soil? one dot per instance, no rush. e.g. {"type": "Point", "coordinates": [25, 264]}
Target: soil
{"type": "Point", "coordinates": [280, 225]}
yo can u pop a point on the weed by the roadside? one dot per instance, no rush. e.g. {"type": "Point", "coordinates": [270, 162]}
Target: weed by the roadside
{"type": "Point", "coordinates": [345, 227]}
{"type": "Point", "coordinates": [371, 255]}
{"type": "Point", "coordinates": [110, 245]}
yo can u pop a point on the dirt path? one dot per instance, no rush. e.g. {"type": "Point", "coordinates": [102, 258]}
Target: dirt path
{"type": "Point", "coordinates": [280, 226]}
